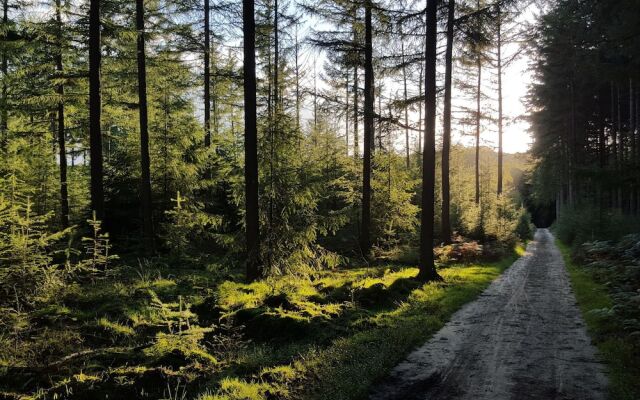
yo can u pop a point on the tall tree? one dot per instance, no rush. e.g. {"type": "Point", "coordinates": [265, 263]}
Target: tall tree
{"type": "Point", "coordinates": [207, 75]}
{"type": "Point", "coordinates": [95, 111]}
{"type": "Point", "coordinates": [500, 116]}
{"type": "Point", "coordinates": [250, 142]}
{"type": "Point", "coordinates": [62, 150]}
{"type": "Point", "coordinates": [446, 131]}
{"type": "Point", "coordinates": [427, 265]}
{"type": "Point", "coordinates": [478, 108]}
{"type": "Point", "coordinates": [145, 162]}
{"type": "Point", "coordinates": [4, 117]}
{"type": "Point", "coordinates": [365, 232]}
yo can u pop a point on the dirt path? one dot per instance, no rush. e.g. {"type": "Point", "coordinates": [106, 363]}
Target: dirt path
{"type": "Point", "coordinates": [523, 338]}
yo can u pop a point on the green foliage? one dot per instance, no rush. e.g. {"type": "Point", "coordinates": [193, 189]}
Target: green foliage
{"type": "Point", "coordinates": [28, 272]}
{"type": "Point", "coordinates": [587, 223]}
{"type": "Point", "coordinates": [605, 280]}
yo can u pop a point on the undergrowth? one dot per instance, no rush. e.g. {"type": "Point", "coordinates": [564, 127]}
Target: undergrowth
{"type": "Point", "coordinates": [606, 280]}
{"type": "Point", "coordinates": [155, 332]}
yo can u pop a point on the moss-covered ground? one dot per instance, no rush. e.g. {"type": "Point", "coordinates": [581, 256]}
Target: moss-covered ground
{"type": "Point", "coordinates": [161, 332]}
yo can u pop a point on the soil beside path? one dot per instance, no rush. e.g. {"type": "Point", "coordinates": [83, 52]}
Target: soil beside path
{"type": "Point", "coordinates": [523, 338]}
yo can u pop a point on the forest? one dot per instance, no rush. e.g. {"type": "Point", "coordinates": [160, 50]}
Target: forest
{"type": "Point", "coordinates": [329, 199]}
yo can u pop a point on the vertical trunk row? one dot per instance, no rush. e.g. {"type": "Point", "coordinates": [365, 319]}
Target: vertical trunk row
{"type": "Point", "coordinates": [64, 195]}
{"type": "Point", "coordinates": [427, 265]}
{"type": "Point", "coordinates": [145, 162]}
{"type": "Point", "coordinates": [250, 142]}
{"type": "Point", "coordinates": [365, 243]}
{"type": "Point", "coordinates": [446, 131]}
{"type": "Point", "coordinates": [207, 76]}
{"type": "Point", "coordinates": [95, 110]}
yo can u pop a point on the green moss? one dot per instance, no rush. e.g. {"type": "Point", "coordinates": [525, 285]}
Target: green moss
{"type": "Point", "coordinates": [621, 356]}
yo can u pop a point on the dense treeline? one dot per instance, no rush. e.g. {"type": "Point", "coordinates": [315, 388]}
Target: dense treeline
{"type": "Point", "coordinates": [587, 138]}
{"type": "Point", "coordinates": [157, 154]}
{"type": "Point", "coordinates": [586, 124]}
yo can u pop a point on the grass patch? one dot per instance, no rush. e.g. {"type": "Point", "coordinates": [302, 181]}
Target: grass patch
{"type": "Point", "coordinates": [164, 332]}
{"type": "Point", "coordinates": [375, 341]}
{"type": "Point", "coordinates": [619, 353]}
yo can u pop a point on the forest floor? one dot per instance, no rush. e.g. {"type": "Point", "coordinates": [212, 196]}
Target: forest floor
{"type": "Point", "coordinates": [524, 338]}
{"type": "Point", "coordinates": [159, 331]}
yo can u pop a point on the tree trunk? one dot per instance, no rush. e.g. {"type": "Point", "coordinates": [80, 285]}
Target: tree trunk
{"type": "Point", "coordinates": [500, 168]}
{"type": "Point", "coordinates": [446, 132]}
{"type": "Point", "coordinates": [276, 62]}
{"type": "Point", "coordinates": [346, 111]}
{"type": "Point", "coordinates": [4, 117]}
{"type": "Point", "coordinates": [95, 110]}
{"type": "Point", "coordinates": [406, 106]}
{"type": "Point", "coordinates": [356, 145]}
{"type": "Point", "coordinates": [478, 118]}
{"type": "Point", "coordinates": [420, 107]}
{"type": "Point", "coordinates": [64, 194]}
{"type": "Point", "coordinates": [145, 162]}
{"type": "Point", "coordinates": [207, 76]}
{"type": "Point", "coordinates": [365, 240]}
{"type": "Point", "coordinates": [298, 83]}
{"type": "Point", "coordinates": [250, 142]}
{"type": "Point", "coordinates": [427, 264]}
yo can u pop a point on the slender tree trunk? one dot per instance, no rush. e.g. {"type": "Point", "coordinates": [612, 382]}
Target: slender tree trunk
{"type": "Point", "coordinates": [145, 162]}
{"type": "Point", "coordinates": [446, 132]}
{"type": "Point", "coordinates": [298, 83]}
{"type": "Point", "coordinates": [64, 194]}
{"type": "Point", "coordinates": [276, 61]}
{"type": "Point", "coordinates": [365, 240]}
{"type": "Point", "coordinates": [250, 142]}
{"type": "Point", "coordinates": [4, 117]}
{"type": "Point", "coordinates": [95, 110]}
{"type": "Point", "coordinates": [315, 97]}
{"type": "Point", "coordinates": [420, 107]}
{"type": "Point", "coordinates": [427, 264]}
{"type": "Point", "coordinates": [207, 76]}
{"type": "Point", "coordinates": [406, 105]}
{"type": "Point", "coordinates": [346, 111]}
{"type": "Point", "coordinates": [478, 121]}
{"type": "Point", "coordinates": [500, 116]}
{"type": "Point", "coordinates": [356, 111]}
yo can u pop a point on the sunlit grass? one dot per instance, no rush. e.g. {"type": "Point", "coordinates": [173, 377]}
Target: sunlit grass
{"type": "Point", "coordinates": [377, 341]}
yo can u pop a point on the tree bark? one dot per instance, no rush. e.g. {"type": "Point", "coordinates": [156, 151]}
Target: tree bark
{"type": "Point", "coordinates": [250, 142]}
{"type": "Point", "coordinates": [4, 117]}
{"type": "Point", "coordinates": [356, 144]}
{"type": "Point", "coordinates": [62, 150]}
{"type": "Point", "coordinates": [365, 240]}
{"type": "Point", "coordinates": [427, 264]}
{"type": "Point", "coordinates": [145, 162]}
{"type": "Point", "coordinates": [478, 118]}
{"type": "Point", "coordinates": [95, 111]}
{"type": "Point", "coordinates": [446, 131]}
{"type": "Point", "coordinates": [500, 155]}
{"type": "Point", "coordinates": [207, 75]}
{"type": "Point", "coordinates": [406, 106]}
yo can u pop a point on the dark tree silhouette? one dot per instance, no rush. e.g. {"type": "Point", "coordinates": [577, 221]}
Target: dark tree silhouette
{"type": "Point", "coordinates": [145, 163]}
{"type": "Point", "coordinates": [427, 264]}
{"type": "Point", "coordinates": [95, 110]}
{"type": "Point", "coordinates": [250, 142]}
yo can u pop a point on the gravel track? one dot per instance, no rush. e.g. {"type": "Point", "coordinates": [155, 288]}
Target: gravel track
{"type": "Point", "coordinates": [523, 338]}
